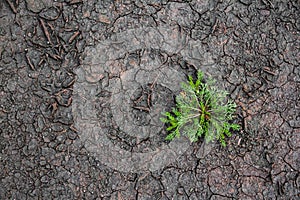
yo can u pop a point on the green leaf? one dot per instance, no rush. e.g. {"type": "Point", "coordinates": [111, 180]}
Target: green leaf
{"type": "Point", "coordinates": [235, 127]}
{"type": "Point", "coordinates": [170, 137]}
{"type": "Point", "coordinates": [164, 120]}
{"type": "Point", "coordinates": [201, 110]}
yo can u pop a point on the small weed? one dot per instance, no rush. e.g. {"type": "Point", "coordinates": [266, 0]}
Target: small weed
{"type": "Point", "coordinates": [201, 110]}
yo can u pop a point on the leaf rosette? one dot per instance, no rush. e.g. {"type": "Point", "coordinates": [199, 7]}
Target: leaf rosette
{"type": "Point", "coordinates": [201, 110]}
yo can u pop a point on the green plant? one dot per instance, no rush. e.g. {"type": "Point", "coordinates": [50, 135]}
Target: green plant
{"type": "Point", "coordinates": [201, 110]}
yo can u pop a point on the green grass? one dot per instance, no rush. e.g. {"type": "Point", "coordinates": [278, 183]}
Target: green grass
{"type": "Point", "coordinates": [201, 110]}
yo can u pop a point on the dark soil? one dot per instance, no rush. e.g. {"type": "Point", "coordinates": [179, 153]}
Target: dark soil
{"type": "Point", "coordinates": [83, 85]}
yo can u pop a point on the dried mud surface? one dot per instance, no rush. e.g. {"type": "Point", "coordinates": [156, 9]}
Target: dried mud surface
{"type": "Point", "coordinates": [83, 84]}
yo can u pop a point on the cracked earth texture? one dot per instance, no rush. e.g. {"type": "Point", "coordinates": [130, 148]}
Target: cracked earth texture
{"type": "Point", "coordinates": [83, 84]}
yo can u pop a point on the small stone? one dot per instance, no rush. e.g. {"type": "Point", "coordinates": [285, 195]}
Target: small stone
{"type": "Point", "coordinates": [50, 13]}
{"type": "Point", "coordinates": [48, 152]}
{"type": "Point", "coordinates": [294, 123]}
{"type": "Point", "coordinates": [61, 138]}
{"type": "Point", "coordinates": [72, 135]}
{"type": "Point", "coordinates": [32, 144]}
{"type": "Point", "coordinates": [43, 163]}
{"type": "Point", "coordinates": [104, 19]}
{"type": "Point", "coordinates": [46, 139]}
{"type": "Point", "coordinates": [180, 190]}
{"type": "Point", "coordinates": [35, 5]}
{"type": "Point", "coordinates": [61, 147]}
{"type": "Point", "coordinates": [44, 179]}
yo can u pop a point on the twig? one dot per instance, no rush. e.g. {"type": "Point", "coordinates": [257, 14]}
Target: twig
{"type": "Point", "coordinates": [215, 26]}
{"type": "Point", "coordinates": [3, 110]}
{"type": "Point", "coordinates": [149, 96]}
{"type": "Point", "coordinates": [54, 107]}
{"type": "Point", "coordinates": [29, 62]}
{"type": "Point", "coordinates": [59, 97]}
{"type": "Point", "coordinates": [156, 78]}
{"type": "Point", "coordinates": [266, 69]}
{"type": "Point", "coordinates": [142, 108]}
{"type": "Point", "coordinates": [45, 30]}
{"type": "Point", "coordinates": [74, 36]}
{"type": "Point", "coordinates": [73, 128]}
{"type": "Point", "coordinates": [12, 6]}
{"type": "Point", "coordinates": [54, 56]}
{"type": "Point", "coordinates": [138, 100]}
{"type": "Point", "coordinates": [75, 1]}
